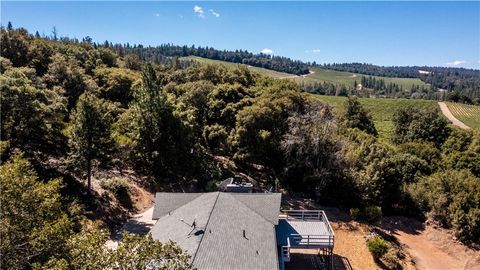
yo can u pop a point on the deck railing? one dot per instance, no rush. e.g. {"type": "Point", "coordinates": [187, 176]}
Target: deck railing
{"type": "Point", "coordinates": [310, 215]}
{"type": "Point", "coordinates": [312, 241]}
{"type": "Point", "coordinates": [286, 251]}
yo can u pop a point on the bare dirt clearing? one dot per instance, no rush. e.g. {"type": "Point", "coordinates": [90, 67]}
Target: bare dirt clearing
{"type": "Point", "coordinates": [432, 248]}
{"type": "Point", "coordinates": [350, 246]}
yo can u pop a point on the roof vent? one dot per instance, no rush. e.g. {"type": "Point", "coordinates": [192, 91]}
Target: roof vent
{"type": "Point", "coordinates": [235, 184]}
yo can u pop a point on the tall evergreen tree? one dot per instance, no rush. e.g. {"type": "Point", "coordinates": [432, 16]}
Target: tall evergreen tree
{"type": "Point", "coordinates": [159, 137]}
{"type": "Point", "coordinates": [89, 136]}
{"type": "Point", "coordinates": [355, 116]}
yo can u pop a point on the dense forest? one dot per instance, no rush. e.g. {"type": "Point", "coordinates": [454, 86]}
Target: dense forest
{"type": "Point", "coordinates": [156, 54]}
{"type": "Point", "coordinates": [463, 81]}
{"type": "Point", "coordinates": [70, 109]}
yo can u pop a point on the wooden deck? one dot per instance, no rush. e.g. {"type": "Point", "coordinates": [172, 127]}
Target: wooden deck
{"type": "Point", "coordinates": [305, 230]}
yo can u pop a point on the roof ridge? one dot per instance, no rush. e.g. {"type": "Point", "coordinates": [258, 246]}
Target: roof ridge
{"type": "Point", "coordinates": [250, 208]}
{"type": "Point", "coordinates": [206, 225]}
{"type": "Point", "coordinates": [234, 196]}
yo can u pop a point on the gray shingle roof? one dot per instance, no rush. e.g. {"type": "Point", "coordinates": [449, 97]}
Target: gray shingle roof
{"type": "Point", "coordinates": [166, 202]}
{"type": "Point", "coordinates": [224, 247]}
{"type": "Point", "coordinates": [220, 221]}
{"type": "Point", "coordinates": [265, 204]}
{"type": "Point", "coordinates": [178, 225]}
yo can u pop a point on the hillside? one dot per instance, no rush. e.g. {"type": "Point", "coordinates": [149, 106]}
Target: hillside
{"type": "Point", "coordinates": [381, 109]}
{"type": "Point", "coordinates": [348, 79]}
{"type": "Point", "coordinates": [89, 133]}
{"type": "Point", "coordinates": [261, 71]}
{"type": "Point", "coordinates": [320, 76]}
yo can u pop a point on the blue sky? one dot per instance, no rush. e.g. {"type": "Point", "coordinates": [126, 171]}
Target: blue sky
{"type": "Point", "coordinates": [384, 33]}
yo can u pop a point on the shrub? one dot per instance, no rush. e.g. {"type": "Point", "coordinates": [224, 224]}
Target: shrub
{"type": "Point", "coordinates": [452, 197]}
{"type": "Point", "coordinates": [377, 246]}
{"type": "Point", "coordinates": [393, 259]}
{"type": "Point", "coordinates": [354, 213]}
{"type": "Point", "coordinates": [373, 213]}
{"type": "Point", "coordinates": [117, 186]}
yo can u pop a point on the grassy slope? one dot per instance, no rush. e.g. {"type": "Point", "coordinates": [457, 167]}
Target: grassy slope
{"type": "Point", "coordinates": [381, 109]}
{"type": "Point", "coordinates": [468, 114]}
{"type": "Point", "coordinates": [347, 78]}
{"type": "Point", "coordinates": [319, 75]}
{"type": "Point", "coordinates": [261, 71]}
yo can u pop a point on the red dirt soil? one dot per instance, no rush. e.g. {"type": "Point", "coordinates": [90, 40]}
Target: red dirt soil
{"type": "Point", "coordinates": [431, 247]}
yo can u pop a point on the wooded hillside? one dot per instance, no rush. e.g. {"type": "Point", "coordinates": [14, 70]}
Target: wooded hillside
{"type": "Point", "coordinates": [70, 109]}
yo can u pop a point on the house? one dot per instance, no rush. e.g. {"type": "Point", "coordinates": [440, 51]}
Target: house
{"type": "Point", "coordinates": [238, 230]}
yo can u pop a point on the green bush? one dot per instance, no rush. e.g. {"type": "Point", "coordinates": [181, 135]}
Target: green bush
{"type": "Point", "coordinates": [377, 246]}
{"type": "Point", "coordinates": [453, 199]}
{"type": "Point", "coordinates": [354, 213]}
{"type": "Point", "coordinates": [117, 186]}
{"type": "Point", "coordinates": [373, 213]}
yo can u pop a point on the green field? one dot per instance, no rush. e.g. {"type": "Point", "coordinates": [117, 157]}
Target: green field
{"type": "Point", "coordinates": [468, 114]}
{"type": "Point", "coordinates": [318, 75]}
{"type": "Point", "coordinates": [348, 79]}
{"type": "Point", "coordinates": [261, 71]}
{"type": "Point", "coordinates": [381, 109]}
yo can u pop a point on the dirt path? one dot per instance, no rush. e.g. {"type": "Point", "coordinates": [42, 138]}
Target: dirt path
{"type": "Point", "coordinates": [433, 248]}
{"type": "Point", "coordinates": [289, 77]}
{"type": "Point", "coordinates": [450, 116]}
{"type": "Point", "coordinates": [297, 76]}
{"type": "Point", "coordinates": [139, 224]}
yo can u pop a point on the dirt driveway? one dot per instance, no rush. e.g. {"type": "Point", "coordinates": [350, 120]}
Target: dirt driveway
{"type": "Point", "coordinates": [431, 247]}
{"type": "Point", "coordinates": [449, 115]}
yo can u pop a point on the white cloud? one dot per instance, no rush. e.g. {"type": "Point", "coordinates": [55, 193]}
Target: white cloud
{"type": "Point", "coordinates": [456, 63]}
{"type": "Point", "coordinates": [199, 11]}
{"type": "Point", "coordinates": [157, 14]}
{"type": "Point", "coordinates": [216, 14]}
{"type": "Point", "coordinates": [312, 51]}
{"type": "Point", "coordinates": [266, 51]}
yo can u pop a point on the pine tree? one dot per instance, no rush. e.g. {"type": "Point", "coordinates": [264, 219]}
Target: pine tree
{"type": "Point", "coordinates": [160, 138]}
{"type": "Point", "coordinates": [355, 116]}
{"type": "Point", "coordinates": [89, 136]}
{"type": "Point", "coordinates": [54, 33]}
